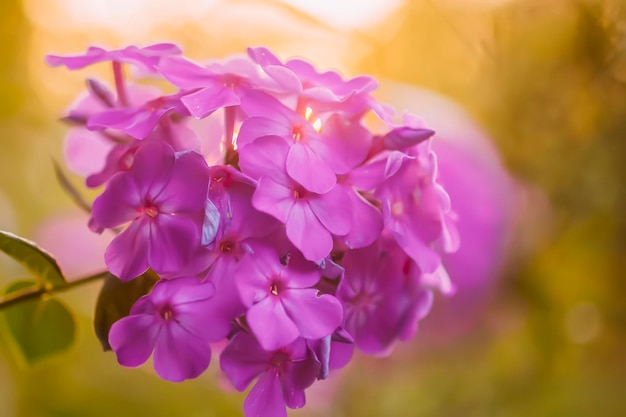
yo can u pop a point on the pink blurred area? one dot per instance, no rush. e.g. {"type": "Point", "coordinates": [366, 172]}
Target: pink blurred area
{"type": "Point", "coordinates": [78, 251]}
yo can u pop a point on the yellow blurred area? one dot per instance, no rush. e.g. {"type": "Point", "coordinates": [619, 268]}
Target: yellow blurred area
{"type": "Point", "coordinates": [546, 80]}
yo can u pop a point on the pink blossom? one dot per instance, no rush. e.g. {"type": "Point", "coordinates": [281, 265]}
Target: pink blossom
{"type": "Point", "coordinates": [310, 219]}
{"type": "Point", "coordinates": [282, 305]}
{"type": "Point", "coordinates": [174, 322]}
{"type": "Point", "coordinates": [283, 374]}
{"type": "Point", "coordinates": [163, 197]}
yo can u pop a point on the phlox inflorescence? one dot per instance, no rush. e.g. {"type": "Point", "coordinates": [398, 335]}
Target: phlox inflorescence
{"type": "Point", "coordinates": [273, 217]}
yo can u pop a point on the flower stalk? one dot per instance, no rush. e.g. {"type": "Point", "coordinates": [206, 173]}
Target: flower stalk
{"type": "Point", "coordinates": [37, 292]}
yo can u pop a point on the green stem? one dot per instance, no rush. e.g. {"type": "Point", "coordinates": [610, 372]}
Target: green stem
{"type": "Point", "coordinates": [35, 293]}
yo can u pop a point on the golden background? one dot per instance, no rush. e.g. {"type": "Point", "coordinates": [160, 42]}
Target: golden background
{"type": "Point", "coordinates": [546, 79]}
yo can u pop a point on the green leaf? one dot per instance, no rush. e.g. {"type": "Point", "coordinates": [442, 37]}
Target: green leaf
{"type": "Point", "coordinates": [115, 300]}
{"type": "Point", "coordinates": [37, 260]}
{"type": "Point", "coordinates": [71, 191]}
{"type": "Point", "coordinates": [40, 328]}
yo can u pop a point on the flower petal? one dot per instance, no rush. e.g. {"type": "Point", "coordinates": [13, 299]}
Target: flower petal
{"type": "Point", "coordinates": [333, 210]}
{"type": "Point", "coordinates": [172, 242]}
{"type": "Point", "coordinates": [367, 222]}
{"type": "Point", "coordinates": [256, 127]}
{"type": "Point", "coordinates": [273, 198]}
{"type": "Point", "coordinates": [271, 325]}
{"type": "Point", "coordinates": [243, 360]}
{"type": "Point", "coordinates": [265, 399]}
{"type": "Point", "coordinates": [118, 203]}
{"type": "Point", "coordinates": [133, 338]}
{"type": "Point", "coordinates": [343, 145]}
{"type": "Point", "coordinates": [306, 233]}
{"type": "Point", "coordinates": [127, 255]}
{"type": "Point", "coordinates": [179, 355]}
{"type": "Point", "coordinates": [187, 188]}
{"type": "Point", "coordinates": [307, 168]}
{"type": "Point", "coordinates": [152, 167]}
{"type": "Point", "coordinates": [315, 316]}
{"type": "Point", "coordinates": [184, 73]}
{"type": "Point", "coordinates": [265, 158]}
{"type": "Point", "coordinates": [205, 101]}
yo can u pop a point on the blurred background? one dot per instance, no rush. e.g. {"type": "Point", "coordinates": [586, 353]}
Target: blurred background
{"type": "Point", "coordinates": [529, 101]}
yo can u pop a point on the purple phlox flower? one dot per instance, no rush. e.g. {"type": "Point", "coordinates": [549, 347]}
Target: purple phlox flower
{"type": "Point", "coordinates": [299, 77]}
{"type": "Point", "coordinates": [367, 220]}
{"type": "Point", "coordinates": [310, 219]}
{"type": "Point", "coordinates": [120, 158]}
{"type": "Point", "coordinates": [122, 155]}
{"type": "Point", "coordinates": [86, 151]}
{"type": "Point", "coordinates": [212, 87]}
{"type": "Point", "coordinates": [163, 197]}
{"type": "Point", "coordinates": [175, 322]}
{"type": "Point", "coordinates": [382, 304]}
{"type": "Point", "coordinates": [147, 57]}
{"type": "Point", "coordinates": [99, 154]}
{"type": "Point", "coordinates": [282, 306]}
{"type": "Point", "coordinates": [240, 229]}
{"type": "Point", "coordinates": [318, 150]}
{"type": "Point", "coordinates": [283, 374]}
{"type": "Point", "coordinates": [416, 209]}
{"type": "Point", "coordinates": [138, 121]}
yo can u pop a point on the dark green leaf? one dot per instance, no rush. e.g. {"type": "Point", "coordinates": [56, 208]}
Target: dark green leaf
{"type": "Point", "coordinates": [40, 328]}
{"type": "Point", "coordinates": [115, 300]}
{"type": "Point", "coordinates": [38, 261]}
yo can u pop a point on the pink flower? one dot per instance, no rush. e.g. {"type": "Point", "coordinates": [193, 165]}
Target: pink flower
{"type": "Point", "coordinates": [282, 305]}
{"type": "Point", "coordinates": [310, 219]}
{"type": "Point", "coordinates": [322, 91]}
{"type": "Point", "coordinates": [212, 87]}
{"type": "Point", "coordinates": [422, 216]}
{"type": "Point", "coordinates": [314, 158]}
{"type": "Point", "coordinates": [138, 121]}
{"type": "Point", "coordinates": [173, 321]}
{"type": "Point", "coordinates": [163, 197]}
{"type": "Point", "coordinates": [382, 302]}
{"type": "Point", "coordinates": [283, 374]}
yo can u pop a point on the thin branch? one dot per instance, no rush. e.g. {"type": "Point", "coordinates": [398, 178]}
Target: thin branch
{"type": "Point", "coordinates": [37, 292]}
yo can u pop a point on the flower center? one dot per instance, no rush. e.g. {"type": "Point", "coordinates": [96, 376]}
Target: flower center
{"type": "Point", "coordinates": [149, 210]}
{"type": "Point", "coordinates": [166, 313]}
{"type": "Point", "coordinates": [276, 287]}
{"type": "Point", "coordinates": [299, 193]}
{"type": "Point", "coordinates": [227, 246]}
{"type": "Point", "coordinates": [297, 133]}
{"type": "Point", "coordinates": [279, 359]}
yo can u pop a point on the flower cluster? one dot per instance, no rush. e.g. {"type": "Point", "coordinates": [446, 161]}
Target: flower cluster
{"type": "Point", "coordinates": [274, 218]}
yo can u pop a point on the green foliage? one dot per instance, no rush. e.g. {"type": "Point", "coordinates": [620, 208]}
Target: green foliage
{"type": "Point", "coordinates": [69, 188]}
{"type": "Point", "coordinates": [39, 327]}
{"type": "Point", "coordinates": [35, 259]}
{"type": "Point", "coordinates": [115, 300]}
